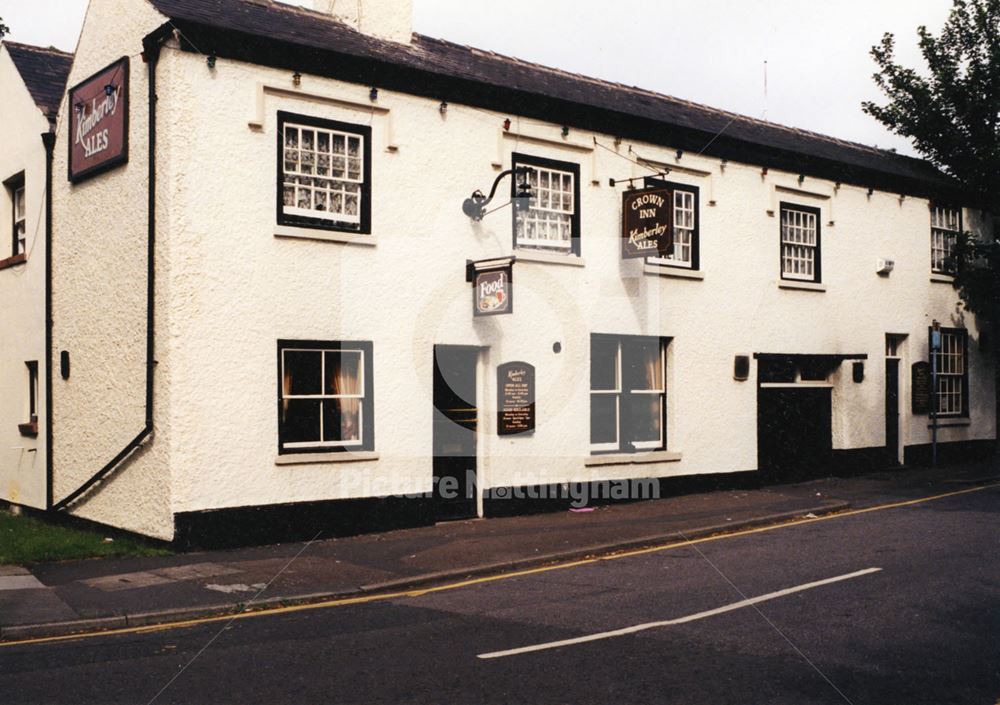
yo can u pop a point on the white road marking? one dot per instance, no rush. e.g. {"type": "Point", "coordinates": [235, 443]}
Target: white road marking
{"type": "Point", "coordinates": [680, 620]}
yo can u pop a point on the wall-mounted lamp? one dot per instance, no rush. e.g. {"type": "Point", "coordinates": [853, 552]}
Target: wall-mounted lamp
{"type": "Point", "coordinates": [679, 153]}
{"type": "Point", "coordinates": [443, 108]}
{"type": "Point", "coordinates": [565, 131]}
{"type": "Point", "coordinates": [506, 125]}
{"type": "Point", "coordinates": [296, 79]}
{"type": "Point", "coordinates": [802, 178]}
{"type": "Point", "coordinates": [109, 90]}
{"type": "Point", "coordinates": [763, 172]}
{"type": "Point", "coordinates": [373, 94]}
{"type": "Point", "coordinates": [64, 364]}
{"type": "Point", "coordinates": [858, 372]}
{"type": "Point", "coordinates": [475, 205]}
{"type": "Point", "coordinates": [722, 164]}
{"type": "Point", "coordinates": [79, 107]}
{"type": "Point", "coordinates": [870, 192]}
{"type": "Point", "coordinates": [741, 368]}
{"type": "Point", "coordinates": [210, 60]}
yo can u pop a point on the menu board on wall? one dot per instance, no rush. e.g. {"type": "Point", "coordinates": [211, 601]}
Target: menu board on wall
{"type": "Point", "coordinates": [98, 122]}
{"type": "Point", "coordinates": [920, 388]}
{"type": "Point", "coordinates": [515, 398]}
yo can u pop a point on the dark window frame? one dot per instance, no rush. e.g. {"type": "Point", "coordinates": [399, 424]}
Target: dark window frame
{"type": "Point", "coordinates": [625, 442]}
{"type": "Point", "coordinates": [651, 181]}
{"type": "Point", "coordinates": [368, 408]}
{"type": "Point", "coordinates": [521, 159]}
{"type": "Point", "coordinates": [363, 227]}
{"type": "Point", "coordinates": [818, 261]}
{"type": "Point", "coordinates": [935, 396]}
{"type": "Point", "coordinates": [11, 186]}
{"type": "Point", "coordinates": [32, 366]}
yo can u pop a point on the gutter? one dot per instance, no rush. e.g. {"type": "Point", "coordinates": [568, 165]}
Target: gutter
{"type": "Point", "coordinates": [151, 45]}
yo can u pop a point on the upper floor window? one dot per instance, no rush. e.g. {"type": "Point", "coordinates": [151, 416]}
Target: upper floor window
{"type": "Point", "coordinates": [550, 221]}
{"type": "Point", "coordinates": [685, 251]}
{"type": "Point", "coordinates": [628, 405]}
{"type": "Point", "coordinates": [800, 243]}
{"type": "Point", "coordinates": [946, 223]}
{"type": "Point", "coordinates": [324, 173]}
{"type": "Point", "coordinates": [953, 373]}
{"type": "Point", "coordinates": [15, 195]}
{"type": "Point", "coordinates": [325, 396]}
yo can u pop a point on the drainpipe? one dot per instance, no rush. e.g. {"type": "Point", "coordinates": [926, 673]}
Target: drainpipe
{"type": "Point", "coordinates": [151, 45]}
{"type": "Point", "coordinates": [49, 140]}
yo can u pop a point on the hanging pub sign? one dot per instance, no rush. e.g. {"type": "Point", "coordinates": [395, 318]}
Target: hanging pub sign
{"type": "Point", "coordinates": [98, 122]}
{"type": "Point", "coordinates": [920, 388]}
{"type": "Point", "coordinates": [515, 398]}
{"type": "Point", "coordinates": [492, 286]}
{"type": "Point", "coordinates": [647, 223]}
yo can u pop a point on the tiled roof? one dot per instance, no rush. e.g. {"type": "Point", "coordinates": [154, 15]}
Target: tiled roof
{"type": "Point", "coordinates": [44, 71]}
{"type": "Point", "coordinates": [483, 75]}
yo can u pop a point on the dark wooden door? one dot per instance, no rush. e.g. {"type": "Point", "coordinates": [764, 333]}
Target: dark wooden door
{"type": "Point", "coordinates": [892, 411]}
{"type": "Point", "coordinates": [455, 427]}
{"type": "Point", "coordinates": [794, 432]}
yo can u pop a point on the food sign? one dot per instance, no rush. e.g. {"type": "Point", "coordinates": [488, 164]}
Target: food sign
{"type": "Point", "coordinates": [492, 289]}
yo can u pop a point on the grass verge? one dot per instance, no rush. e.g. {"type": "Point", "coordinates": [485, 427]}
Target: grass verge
{"type": "Point", "coordinates": [27, 539]}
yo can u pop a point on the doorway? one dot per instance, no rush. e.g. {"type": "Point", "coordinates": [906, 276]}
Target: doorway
{"type": "Point", "coordinates": [456, 415]}
{"type": "Point", "coordinates": [893, 351]}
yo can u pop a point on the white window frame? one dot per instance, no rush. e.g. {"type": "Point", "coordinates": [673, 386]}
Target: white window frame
{"type": "Point", "coordinates": [331, 190]}
{"type": "Point", "coordinates": [619, 394]}
{"type": "Point", "coordinates": [20, 220]}
{"type": "Point", "coordinates": [321, 397]}
{"type": "Point", "coordinates": [952, 369]}
{"type": "Point", "coordinates": [799, 250]}
{"type": "Point", "coordinates": [946, 224]}
{"type": "Point", "coordinates": [685, 221]}
{"type": "Point", "coordinates": [566, 218]}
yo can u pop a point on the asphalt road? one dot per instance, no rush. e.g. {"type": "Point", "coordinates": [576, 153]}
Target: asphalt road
{"type": "Point", "coordinates": [924, 628]}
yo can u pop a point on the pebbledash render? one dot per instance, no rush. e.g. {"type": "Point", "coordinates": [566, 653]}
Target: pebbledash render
{"type": "Point", "coordinates": [271, 288]}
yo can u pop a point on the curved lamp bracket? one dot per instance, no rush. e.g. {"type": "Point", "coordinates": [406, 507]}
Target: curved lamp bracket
{"type": "Point", "coordinates": [475, 205]}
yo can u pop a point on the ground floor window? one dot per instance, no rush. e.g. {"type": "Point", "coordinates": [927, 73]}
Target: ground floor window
{"type": "Point", "coordinates": [628, 407]}
{"type": "Point", "coordinates": [325, 396]}
{"type": "Point", "coordinates": [953, 373]}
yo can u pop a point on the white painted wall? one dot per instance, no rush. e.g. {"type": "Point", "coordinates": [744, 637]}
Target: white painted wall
{"type": "Point", "coordinates": [22, 293]}
{"type": "Point", "coordinates": [228, 289]}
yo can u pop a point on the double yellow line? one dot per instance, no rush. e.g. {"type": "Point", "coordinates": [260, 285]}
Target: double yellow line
{"type": "Point", "coordinates": [364, 599]}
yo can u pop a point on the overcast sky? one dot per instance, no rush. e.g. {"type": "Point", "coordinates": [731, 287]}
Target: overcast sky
{"type": "Point", "coordinates": [709, 51]}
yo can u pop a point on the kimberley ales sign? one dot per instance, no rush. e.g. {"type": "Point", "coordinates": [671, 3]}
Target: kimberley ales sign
{"type": "Point", "coordinates": [98, 128]}
{"type": "Point", "coordinates": [647, 220]}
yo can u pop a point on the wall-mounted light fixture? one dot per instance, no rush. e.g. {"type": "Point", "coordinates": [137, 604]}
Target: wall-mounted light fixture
{"type": "Point", "coordinates": [475, 205]}
{"type": "Point", "coordinates": [506, 125]}
{"type": "Point", "coordinates": [373, 94]}
{"type": "Point", "coordinates": [741, 368]}
{"type": "Point", "coordinates": [565, 131]}
{"type": "Point", "coordinates": [109, 90]}
{"type": "Point", "coordinates": [210, 60]}
{"type": "Point", "coordinates": [870, 192]}
{"type": "Point", "coordinates": [858, 372]}
{"type": "Point", "coordinates": [763, 172]}
{"type": "Point", "coordinates": [443, 108]}
{"type": "Point", "coordinates": [802, 178]}
{"type": "Point", "coordinates": [296, 79]}
{"type": "Point", "coordinates": [680, 153]}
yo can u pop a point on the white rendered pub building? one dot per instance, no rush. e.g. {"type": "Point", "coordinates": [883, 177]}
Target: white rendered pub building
{"type": "Point", "coordinates": [310, 269]}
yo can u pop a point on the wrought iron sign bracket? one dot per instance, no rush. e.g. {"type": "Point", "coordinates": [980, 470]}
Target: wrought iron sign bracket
{"type": "Point", "coordinates": [475, 205]}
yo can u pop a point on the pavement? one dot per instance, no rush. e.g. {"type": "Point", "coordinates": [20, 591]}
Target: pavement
{"type": "Point", "coordinates": [63, 598]}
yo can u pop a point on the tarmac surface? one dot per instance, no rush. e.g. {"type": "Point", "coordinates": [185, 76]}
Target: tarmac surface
{"type": "Point", "coordinates": [73, 596]}
{"type": "Point", "coordinates": [892, 602]}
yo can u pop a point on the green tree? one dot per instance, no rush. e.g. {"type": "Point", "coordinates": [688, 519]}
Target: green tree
{"type": "Point", "coordinates": [4, 29]}
{"type": "Point", "coordinates": [951, 112]}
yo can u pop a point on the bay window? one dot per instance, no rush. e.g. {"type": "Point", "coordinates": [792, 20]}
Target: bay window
{"type": "Point", "coordinates": [627, 393]}
{"type": "Point", "coordinates": [324, 396]}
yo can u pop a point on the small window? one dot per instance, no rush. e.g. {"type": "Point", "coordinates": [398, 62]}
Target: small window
{"type": "Point", "coordinates": [686, 246]}
{"type": "Point", "coordinates": [627, 394]}
{"type": "Point", "coordinates": [550, 221]}
{"type": "Point", "coordinates": [953, 373]}
{"type": "Point", "coordinates": [800, 243]}
{"type": "Point", "coordinates": [325, 396]}
{"type": "Point", "coordinates": [946, 224]}
{"type": "Point", "coordinates": [324, 174]}
{"type": "Point", "coordinates": [32, 366]}
{"type": "Point", "coordinates": [16, 197]}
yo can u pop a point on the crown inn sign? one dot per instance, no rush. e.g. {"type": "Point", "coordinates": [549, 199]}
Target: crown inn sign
{"type": "Point", "coordinates": [647, 223]}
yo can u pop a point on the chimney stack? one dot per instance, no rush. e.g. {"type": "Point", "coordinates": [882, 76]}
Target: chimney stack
{"type": "Point", "coordinates": [385, 19]}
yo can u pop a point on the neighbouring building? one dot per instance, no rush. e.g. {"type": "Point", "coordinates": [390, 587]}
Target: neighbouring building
{"type": "Point", "coordinates": [32, 81]}
{"type": "Point", "coordinates": [275, 294]}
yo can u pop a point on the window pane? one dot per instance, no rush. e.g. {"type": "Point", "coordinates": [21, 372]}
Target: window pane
{"type": "Point", "coordinates": [645, 417]}
{"type": "Point", "coordinates": [300, 421]}
{"type": "Point", "coordinates": [603, 363]}
{"type": "Point", "coordinates": [343, 372]}
{"type": "Point", "coordinates": [642, 366]}
{"type": "Point", "coordinates": [302, 373]}
{"type": "Point", "coordinates": [341, 420]}
{"type": "Point", "coordinates": [603, 418]}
